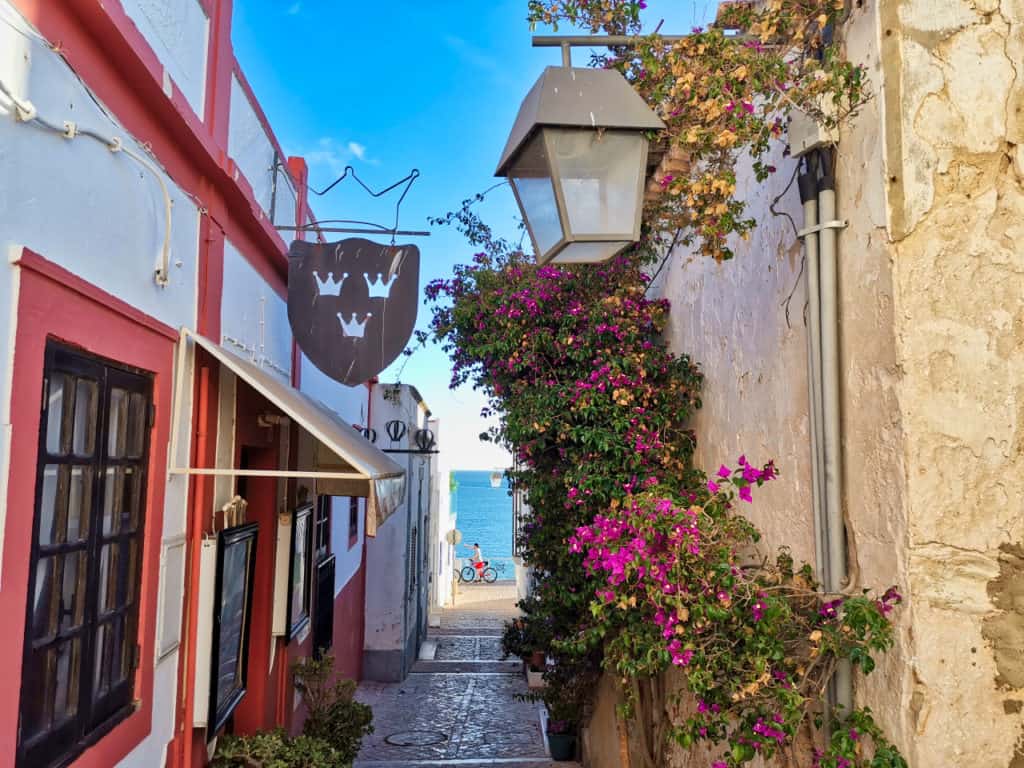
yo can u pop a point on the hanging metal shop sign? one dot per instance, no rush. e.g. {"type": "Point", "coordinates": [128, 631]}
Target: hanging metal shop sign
{"type": "Point", "coordinates": [352, 304]}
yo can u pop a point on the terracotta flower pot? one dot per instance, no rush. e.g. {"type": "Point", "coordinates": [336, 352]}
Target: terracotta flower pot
{"type": "Point", "coordinates": [538, 659]}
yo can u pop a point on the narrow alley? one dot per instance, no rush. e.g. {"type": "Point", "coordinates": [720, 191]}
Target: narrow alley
{"type": "Point", "coordinates": [458, 707]}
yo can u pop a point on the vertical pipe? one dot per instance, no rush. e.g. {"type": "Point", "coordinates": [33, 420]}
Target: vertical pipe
{"type": "Point", "coordinates": [809, 197]}
{"type": "Point", "coordinates": [835, 576]}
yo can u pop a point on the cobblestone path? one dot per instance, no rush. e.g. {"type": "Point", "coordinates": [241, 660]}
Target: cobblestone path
{"type": "Point", "coordinates": [456, 708]}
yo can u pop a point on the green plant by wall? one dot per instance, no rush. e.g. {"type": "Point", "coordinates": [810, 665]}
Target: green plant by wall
{"type": "Point", "coordinates": [274, 749]}
{"type": "Point", "coordinates": [332, 714]}
{"type": "Point", "coordinates": [331, 735]}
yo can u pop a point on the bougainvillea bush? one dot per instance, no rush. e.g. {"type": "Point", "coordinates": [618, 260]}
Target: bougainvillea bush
{"type": "Point", "coordinates": [644, 563]}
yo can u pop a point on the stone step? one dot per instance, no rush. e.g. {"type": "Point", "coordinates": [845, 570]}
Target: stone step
{"type": "Point", "coordinates": [469, 666]}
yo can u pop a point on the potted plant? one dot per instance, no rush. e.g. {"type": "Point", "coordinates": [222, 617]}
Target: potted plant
{"type": "Point", "coordinates": [561, 739]}
{"type": "Point", "coordinates": [564, 710]}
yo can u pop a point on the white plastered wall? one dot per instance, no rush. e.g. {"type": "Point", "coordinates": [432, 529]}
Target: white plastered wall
{"type": "Point", "coordinates": [253, 152]}
{"type": "Point", "coordinates": [254, 318]}
{"type": "Point", "coordinates": [99, 215]}
{"type": "Point", "coordinates": [178, 31]}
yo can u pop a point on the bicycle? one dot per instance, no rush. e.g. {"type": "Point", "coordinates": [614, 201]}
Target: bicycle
{"type": "Point", "coordinates": [485, 573]}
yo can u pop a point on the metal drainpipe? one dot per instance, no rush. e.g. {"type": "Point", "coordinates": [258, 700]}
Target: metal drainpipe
{"type": "Point", "coordinates": [808, 186]}
{"type": "Point", "coordinates": [836, 574]}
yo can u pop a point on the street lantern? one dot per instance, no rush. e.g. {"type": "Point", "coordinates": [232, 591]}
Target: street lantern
{"type": "Point", "coordinates": [576, 160]}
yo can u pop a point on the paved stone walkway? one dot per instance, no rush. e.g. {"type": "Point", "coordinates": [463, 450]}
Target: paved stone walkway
{"type": "Point", "coordinates": [457, 707]}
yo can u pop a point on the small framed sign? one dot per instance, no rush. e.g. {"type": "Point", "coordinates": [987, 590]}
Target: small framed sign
{"type": "Point", "coordinates": [299, 572]}
{"type": "Point", "coordinates": [232, 609]}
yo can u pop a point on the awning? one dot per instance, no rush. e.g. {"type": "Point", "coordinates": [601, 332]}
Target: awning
{"type": "Point", "coordinates": [347, 463]}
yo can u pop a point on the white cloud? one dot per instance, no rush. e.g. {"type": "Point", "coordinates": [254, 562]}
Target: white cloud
{"type": "Point", "coordinates": [357, 149]}
{"type": "Point", "coordinates": [334, 155]}
{"type": "Point", "coordinates": [294, 8]}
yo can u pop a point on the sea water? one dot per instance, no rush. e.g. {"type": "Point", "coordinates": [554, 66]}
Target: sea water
{"type": "Point", "coordinates": [484, 516]}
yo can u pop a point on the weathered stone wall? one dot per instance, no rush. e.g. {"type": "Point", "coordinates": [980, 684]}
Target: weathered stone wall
{"type": "Point", "coordinates": [931, 308]}
{"type": "Point", "coordinates": [953, 129]}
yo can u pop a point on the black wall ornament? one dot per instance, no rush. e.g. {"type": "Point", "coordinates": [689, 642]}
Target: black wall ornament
{"type": "Point", "coordinates": [352, 304]}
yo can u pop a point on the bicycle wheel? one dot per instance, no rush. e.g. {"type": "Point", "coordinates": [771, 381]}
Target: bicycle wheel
{"type": "Point", "coordinates": [490, 575]}
{"type": "Point", "coordinates": [468, 573]}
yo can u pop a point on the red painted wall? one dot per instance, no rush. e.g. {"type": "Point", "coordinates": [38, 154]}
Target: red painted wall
{"type": "Point", "coordinates": [350, 623]}
{"type": "Point", "coordinates": [53, 303]}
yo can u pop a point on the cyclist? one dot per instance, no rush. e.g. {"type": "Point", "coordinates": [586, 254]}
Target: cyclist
{"type": "Point", "coordinates": [477, 559]}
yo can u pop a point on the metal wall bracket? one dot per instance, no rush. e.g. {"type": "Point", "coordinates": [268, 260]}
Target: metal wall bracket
{"type": "Point", "coordinates": [834, 224]}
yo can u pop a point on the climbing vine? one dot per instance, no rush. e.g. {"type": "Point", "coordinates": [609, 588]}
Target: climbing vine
{"type": "Point", "coordinates": [644, 563]}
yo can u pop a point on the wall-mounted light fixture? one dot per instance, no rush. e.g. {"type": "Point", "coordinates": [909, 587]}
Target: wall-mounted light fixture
{"type": "Point", "coordinates": [576, 160]}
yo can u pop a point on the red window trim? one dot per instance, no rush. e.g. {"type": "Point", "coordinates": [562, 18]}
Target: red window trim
{"type": "Point", "coordinates": [54, 303]}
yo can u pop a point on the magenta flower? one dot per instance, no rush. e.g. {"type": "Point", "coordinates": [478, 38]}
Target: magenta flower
{"type": "Point", "coordinates": [745, 494]}
{"type": "Point", "coordinates": [713, 487]}
{"type": "Point", "coordinates": [724, 471]}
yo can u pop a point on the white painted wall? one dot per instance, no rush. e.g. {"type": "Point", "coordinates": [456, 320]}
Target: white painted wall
{"type": "Point", "coordinates": [249, 146]}
{"type": "Point", "coordinates": [253, 318]}
{"type": "Point", "coordinates": [97, 213]}
{"type": "Point", "coordinates": [346, 559]}
{"type": "Point", "coordinates": [101, 216]}
{"type": "Point", "coordinates": [348, 402]}
{"type": "Point", "coordinates": [178, 31]}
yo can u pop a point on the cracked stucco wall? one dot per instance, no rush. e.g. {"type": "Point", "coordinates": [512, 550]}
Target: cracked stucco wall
{"type": "Point", "coordinates": [953, 130]}
{"type": "Point", "coordinates": [930, 178]}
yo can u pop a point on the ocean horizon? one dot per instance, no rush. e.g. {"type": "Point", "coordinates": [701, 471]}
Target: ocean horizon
{"type": "Point", "coordinates": [484, 515]}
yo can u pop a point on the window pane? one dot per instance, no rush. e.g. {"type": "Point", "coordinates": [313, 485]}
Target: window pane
{"type": "Point", "coordinates": [531, 177]}
{"type": "Point", "coordinates": [57, 438]}
{"type": "Point", "coordinates": [600, 177]}
{"type": "Point", "coordinates": [131, 574]}
{"type": "Point", "coordinates": [131, 498]}
{"type": "Point", "coordinates": [113, 500]}
{"type": "Point", "coordinates": [137, 418]}
{"type": "Point", "coordinates": [44, 604]}
{"type": "Point", "coordinates": [66, 679]}
{"type": "Point", "coordinates": [84, 441]}
{"type": "Point", "coordinates": [101, 670]}
{"type": "Point", "coordinates": [117, 424]}
{"type": "Point", "coordinates": [79, 504]}
{"type": "Point", "coordinates": [72, 591]}
{"type": "Point", "coordinates": [108, 578]}
{"type": "Point", "coordinates": [52, 504]}
{"type": "Point", "coordinates": [300, 569]}
{"type": "Point", "coordinates": [37, 710]}
{"type": "Point", "coordinates": [118, 652]}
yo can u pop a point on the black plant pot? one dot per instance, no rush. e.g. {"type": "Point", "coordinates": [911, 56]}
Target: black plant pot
{"type": "Point", "coordinates": [563, 745]}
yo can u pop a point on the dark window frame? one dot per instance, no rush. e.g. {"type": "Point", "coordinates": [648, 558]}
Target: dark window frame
{"type": "Point", "coordinates": [322, 528]}
{"type": "Point", "coordinates": [304, 513]}
{"type": "Point", "coordinates": [220, 711]}
{"type": "Point", "coordinates": [99, 704]}
{"type": "Point", "coordinates": [353, 521]}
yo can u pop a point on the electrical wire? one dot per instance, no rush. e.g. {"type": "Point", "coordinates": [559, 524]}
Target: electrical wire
{"type": "Point", "coordinates": [26, 113]}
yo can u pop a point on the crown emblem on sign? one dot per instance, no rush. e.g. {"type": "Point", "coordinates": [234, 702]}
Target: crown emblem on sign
{"type": "Point", "coordinates": [379, 288]}
{"type": "Point", "coordinates": [353, 328]}
{"type": "Point", "coordinates": [329, 286]}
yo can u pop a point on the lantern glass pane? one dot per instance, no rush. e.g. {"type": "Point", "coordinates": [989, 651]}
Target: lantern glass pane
{"type": "Point", "coordinates": [600, 174]}
{"type": "Point", "coordinates": [531, 175]}
{"type": "Point", "coordinates": [589, 252]}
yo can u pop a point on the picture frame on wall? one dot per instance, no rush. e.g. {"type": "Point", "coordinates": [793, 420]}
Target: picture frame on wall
{"type": "Point", "coordinates": [300, 570]}
{"type": "Point", "coordinates": [236, 561]}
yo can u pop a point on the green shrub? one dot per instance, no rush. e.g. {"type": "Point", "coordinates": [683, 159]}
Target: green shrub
{"type": "Point", "coordinates": [333, 716]}
{"type": "Point", "coordinates": [274, 749]}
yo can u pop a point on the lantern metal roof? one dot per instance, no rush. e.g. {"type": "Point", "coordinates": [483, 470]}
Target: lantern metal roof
{"type": "Point", "coordinates": [573, 97]}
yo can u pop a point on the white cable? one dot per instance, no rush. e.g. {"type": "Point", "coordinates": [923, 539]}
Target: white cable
{"type": "Point", "coordinates": [26, 112]}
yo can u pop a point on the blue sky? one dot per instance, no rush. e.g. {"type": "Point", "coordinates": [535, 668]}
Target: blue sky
{"type": "Point", "coordinates": [391, 86]}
